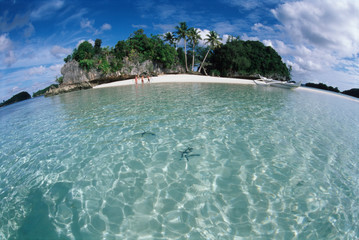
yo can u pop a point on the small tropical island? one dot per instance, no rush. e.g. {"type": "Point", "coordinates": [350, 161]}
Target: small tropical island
{"type": "Point", "coordinates": [90, 65]}
{"type": "Point", "coordinates": [140, 55]}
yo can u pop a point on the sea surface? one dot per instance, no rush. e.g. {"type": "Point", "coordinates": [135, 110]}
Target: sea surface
{"type": "Point", "coordinates": [180, 161]}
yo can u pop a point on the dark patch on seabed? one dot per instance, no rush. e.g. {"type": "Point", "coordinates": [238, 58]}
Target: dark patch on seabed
{"type": "Point", "coordinates": [38, 225]}
{"type": "Point", "coordinates": [148, 133]}
{"type": "Point", "coordinates": [186, 153]}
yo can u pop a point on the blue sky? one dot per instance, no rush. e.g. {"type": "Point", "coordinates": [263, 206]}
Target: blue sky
{"type": "Point", "coordinates": [318, 38]}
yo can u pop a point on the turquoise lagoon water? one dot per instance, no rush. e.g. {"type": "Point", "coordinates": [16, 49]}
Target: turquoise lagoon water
{"type": "Point", "coordinates": [180, 161]}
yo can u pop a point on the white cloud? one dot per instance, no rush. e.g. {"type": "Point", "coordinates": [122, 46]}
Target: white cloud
{"type": "Point", "coordinates": [141, 26]}
{"type": "Point", "coordinates": [260, 27]}
{"type": "Point", "coordinates": [5, 42]}
{"type": "Point", "coordinates": [104, 27]}
{"type": "Point", "coordinates": [248, 5]}
{"type": "Point", "coordinates": [203, 34]}
{"type": "Point", "coordinates": [90, 41]}
{"type": "Point", "coordinates": [60, 52]}
{"type": "Point", "coordinates": [279, 46]}
{"type": "Point", "coordinates": [225, 38]}
{"type": "Point", "coordinates": [41, 70]}
{"type": "Point", "coordinates": [56, 68]}
{"type": "Point", "coordinates": [29, 31]}
{"type": "Point", "coordinates": [47, 9]}
{"type": "Point", "coordinates": [10, 58]}
{"type": "Point", "coordinates": [225, 27]}
{"type": "Point", "coordinates": [76, 17]}
{"type": "Point", "coordinates": [7, 55]}
{"type": "Point", "coordinates": [36, 70]}
{"type": "Point", "coordinates": [245, 37]}
{"type": "Point", "coordinates": [325, 24]}
{"type": "Point", "coordinates": [88, 26]}
{"type": "Point", "coordinates": [7, 25]}
{"type": "Point", "coordinates": [324, 36]}
{"type": "Point", "coordinates": [164, 27]}
{"type": "Point", "coordinates": [28, 79]}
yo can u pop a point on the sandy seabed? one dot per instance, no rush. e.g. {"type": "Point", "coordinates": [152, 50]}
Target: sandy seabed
{"type": "Point", "coordinates": [188, 78]}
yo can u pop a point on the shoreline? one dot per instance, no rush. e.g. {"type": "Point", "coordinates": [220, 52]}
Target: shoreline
{"type": "Point", "coordinates": [179, 78]}
{"type": "Point", "coordinates": [189, 78]}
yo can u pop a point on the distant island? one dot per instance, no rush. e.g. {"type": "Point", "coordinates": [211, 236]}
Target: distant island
{"type": "Point", "coordinates": [16, 98]}
{"type": "Point", "coordinates": [322, 86]}
{"type": "Point", "coordinates": [354, 92]}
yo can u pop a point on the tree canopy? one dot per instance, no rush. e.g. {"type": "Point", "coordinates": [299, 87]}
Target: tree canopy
{"type": "Point", "coordinates": [182, 33]}
{"type": "Point", "coordinates": [137, 48]}
{"type": "Point", "coordinates": [238, 57]}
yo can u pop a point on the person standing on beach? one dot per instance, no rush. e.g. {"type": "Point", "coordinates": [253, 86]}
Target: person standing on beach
{"type": "Point", "coordinates": [148, 78]}
{"type": "Point", "coordinates": [136, 79]}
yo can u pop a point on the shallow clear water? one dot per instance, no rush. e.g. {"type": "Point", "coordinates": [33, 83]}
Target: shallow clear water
{"type": "Point", "coordinates": [180, 161]}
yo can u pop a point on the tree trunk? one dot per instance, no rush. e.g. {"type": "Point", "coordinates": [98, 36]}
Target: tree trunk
{"type": "Point", "coordinates": [193, 58]}
{"type": "Point", "coordinates": [185, 54]}
{"type": "Point", "coordinates": [199, 70]}
{"type": "Point", "coordinates": [204, 69]}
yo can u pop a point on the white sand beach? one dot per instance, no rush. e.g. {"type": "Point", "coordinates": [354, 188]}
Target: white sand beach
{"type": "Point", "coordinates": [179, 78]}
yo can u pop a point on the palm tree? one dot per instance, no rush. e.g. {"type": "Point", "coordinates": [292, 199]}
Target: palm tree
{"type": "Point", "coordinates": [214, 41]}
{"type": "Point", "coordinates": [182, 33]}
{"type": "Point", "coordinates": [169, 37]}
{"type": "Point", "coordinates": [194, 37]}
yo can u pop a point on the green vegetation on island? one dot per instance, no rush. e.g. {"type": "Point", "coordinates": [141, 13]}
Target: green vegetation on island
{"type": "Point", "coordinates": [322, 86]}
{"type": "Point", "coordinates": [246, 58]}
{"type": "Point", "coordinates": [233, 58]}
{"type": "Point", "coordinates": [354, 92]}
{"type": "Point", "coordinates": [43, 91]}
{"type": "Point", "coordinates": [137, 48]}
{"type": "Point", "coordinates": [16, 98]}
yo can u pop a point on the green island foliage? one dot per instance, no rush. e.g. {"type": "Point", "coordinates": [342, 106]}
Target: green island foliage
{"type": "Point", "coordinates": [43, 91]}
{"type": "Point", "coordinates": [235, 57]}
{"type": "Point", "coordinates": [322, 86]}
{"type": "Point", "coordinates": [16, 98]}
{"type": "Point", "coordinates": [137, 48]}
{"type": "Point", "coordinates": [354, 92]}
{"type": "Point", "coordinates": [245, 58]}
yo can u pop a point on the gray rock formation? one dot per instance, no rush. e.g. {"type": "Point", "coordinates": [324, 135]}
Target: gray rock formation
{"type": "Point", "coordinates": [73, 74]}
{"type": "Point", "coordinates": [76, 78]}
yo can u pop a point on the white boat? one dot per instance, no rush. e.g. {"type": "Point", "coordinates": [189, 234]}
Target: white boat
{"type": "Point", "coordinates": [263, 81]}
{"type": "Point", "coordinates": [281, 84]}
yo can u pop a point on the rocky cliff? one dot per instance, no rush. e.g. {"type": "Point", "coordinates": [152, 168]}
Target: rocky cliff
{"type": "Point", "coordinates": [76, 78]}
